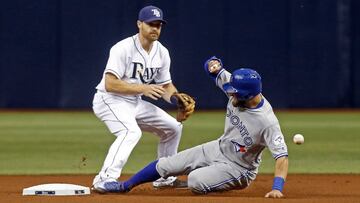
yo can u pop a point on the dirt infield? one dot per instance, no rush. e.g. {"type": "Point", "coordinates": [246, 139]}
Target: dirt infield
{"type": "Point", "coordinates": [298, 188]}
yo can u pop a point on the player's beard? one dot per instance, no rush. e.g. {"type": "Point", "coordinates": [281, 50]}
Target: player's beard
{"type": "Point", "coordinates": [154, 36]}
{"type": "Point", "coordinates": [238, 103]}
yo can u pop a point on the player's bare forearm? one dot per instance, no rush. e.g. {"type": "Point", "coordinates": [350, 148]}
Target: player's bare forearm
{"type": "Point", "coordinates": [115, 85]}
{"type": "Point", "coordinates": [281, 170]}
{"type": "Point", "coordinates": [281, 167]}
{"type": "Point", "coordinates": [170, 89]}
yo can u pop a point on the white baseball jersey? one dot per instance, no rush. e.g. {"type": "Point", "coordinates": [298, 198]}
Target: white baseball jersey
{"type": "Point", "coordinates": [129, 62]}
{"type": "Point", "coordinates": [126, 116]}
{"type": "Point", "coordinates": [248, 131]}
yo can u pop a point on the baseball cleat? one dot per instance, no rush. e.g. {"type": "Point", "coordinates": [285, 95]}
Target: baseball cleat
{"type": "Point", "coordinates": [112, 186]}
{"type": "Point", "coordinates": [170, 182]}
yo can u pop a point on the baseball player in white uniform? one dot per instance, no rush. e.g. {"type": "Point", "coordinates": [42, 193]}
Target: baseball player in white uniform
{"type": "Point", "coordinates": [232, 161]}
{"type": "Point", "coordinates": [138, 65]}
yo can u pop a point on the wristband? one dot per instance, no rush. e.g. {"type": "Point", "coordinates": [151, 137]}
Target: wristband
{"type": "Point", "coordinates": [173, 100]}
{"type": "Point", "coordinates": [278, 183]}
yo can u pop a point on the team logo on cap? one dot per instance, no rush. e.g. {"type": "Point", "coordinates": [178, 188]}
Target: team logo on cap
{"type": "Point", "coordinates": [156, 12]}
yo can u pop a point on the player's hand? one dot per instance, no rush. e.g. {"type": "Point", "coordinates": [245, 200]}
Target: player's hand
{"type": "Point", "coordinates": [214, 66]}
{"type": "Point", "coordinates": [153, 91]}
{"type": "Point", "coordinates": [274, 194]}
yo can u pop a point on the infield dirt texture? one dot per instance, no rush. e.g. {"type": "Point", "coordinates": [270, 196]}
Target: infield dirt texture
{"type": "Point", "coordinates": [299, 188]}
{"type": "Point", "coordinates": [69, 147]}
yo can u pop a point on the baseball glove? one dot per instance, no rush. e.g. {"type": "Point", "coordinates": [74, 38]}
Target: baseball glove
{"type": "Point", "coordinates": [185, 105]}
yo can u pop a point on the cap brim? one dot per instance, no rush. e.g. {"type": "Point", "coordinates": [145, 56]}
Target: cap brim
{"type": "Point", "coordinates": [229, 89]}
{"type": "Point", "coordinates": [155, 19]}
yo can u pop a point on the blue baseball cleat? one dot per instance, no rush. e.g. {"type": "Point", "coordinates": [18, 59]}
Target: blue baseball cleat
{"type": "Point", "coordinates": [112, 186]}
{"type": "Point", "coordinates": [115, 186]}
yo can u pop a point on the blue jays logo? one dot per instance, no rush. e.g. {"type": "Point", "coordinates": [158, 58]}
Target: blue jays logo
{"type": "Point", "coordinates": [238, 147]}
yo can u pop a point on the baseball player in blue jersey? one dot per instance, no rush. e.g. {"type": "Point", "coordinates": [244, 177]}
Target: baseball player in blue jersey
{"type": "Point", "coordinates": [139, 66]}
{"type": "Point", "coordinates": [232, 161]}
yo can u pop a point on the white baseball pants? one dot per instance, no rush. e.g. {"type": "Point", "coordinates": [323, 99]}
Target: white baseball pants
{"type": "Point", "coordinates": [126, 119]}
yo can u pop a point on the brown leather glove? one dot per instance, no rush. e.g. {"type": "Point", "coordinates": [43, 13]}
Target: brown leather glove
{"type": "Point", "coordinates": [185, 105]}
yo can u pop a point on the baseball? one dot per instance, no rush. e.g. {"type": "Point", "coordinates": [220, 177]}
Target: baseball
{"type": "Point", "coordinates": [298, 139]}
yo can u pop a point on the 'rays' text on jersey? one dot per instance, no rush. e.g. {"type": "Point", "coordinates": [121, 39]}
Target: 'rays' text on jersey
{"type": "Point", "coordinates": [146, 75]}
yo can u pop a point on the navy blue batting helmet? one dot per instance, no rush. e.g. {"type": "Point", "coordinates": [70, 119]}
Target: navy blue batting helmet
{"type": "Point", "coordinates": [245, 83]}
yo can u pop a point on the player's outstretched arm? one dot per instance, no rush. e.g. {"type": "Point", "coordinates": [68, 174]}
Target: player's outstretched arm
{"type": "Point", "coordinates": [216, 71]}
{"type": "Point", "coordinates": [113, 84]}
{"type": "Point", "coordinates": [281, 169]}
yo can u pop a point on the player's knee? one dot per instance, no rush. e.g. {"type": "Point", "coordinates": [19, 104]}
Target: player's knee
{"type": "Point", "coordinates": [135, 130]}
{"type": "Point", "coordinates": [175, 126]}
{"type": "Point", "coordinates": [162, 167]}
{"type": "Point", "coordinates": [173, 132]}
{"type": "Point", "coordinates": [178, 129]}
{"type": "Point", "coordinates": [133, 133]}
{"type": "Point", "coordinates": [195, 184]}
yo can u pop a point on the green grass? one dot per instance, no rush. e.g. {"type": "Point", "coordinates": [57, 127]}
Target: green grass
{"type": "Point", "coordinates": [77, 142]}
